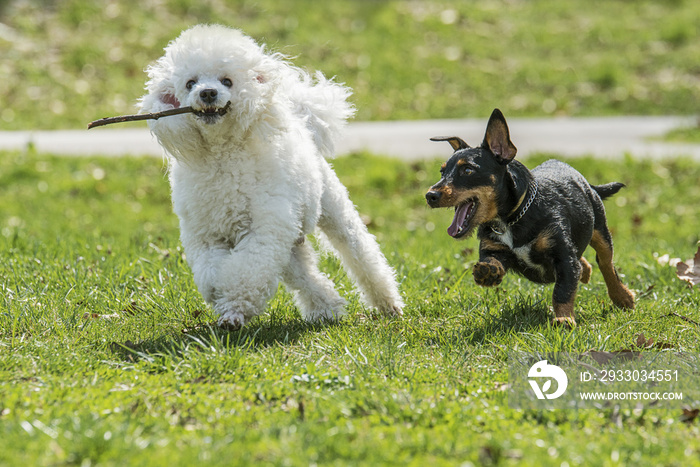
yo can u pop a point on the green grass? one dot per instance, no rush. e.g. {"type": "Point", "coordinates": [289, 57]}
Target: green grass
{"type": "Point", "coordinates": [690, 134]}
{"type": "Point", "coordinates": [67, 63]}
{"type": "Point", "coordinates": [107, 356]}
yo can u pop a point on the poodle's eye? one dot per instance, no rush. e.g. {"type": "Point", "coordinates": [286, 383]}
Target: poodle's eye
{"type": "Point", "coordinates": [227, 82]}
{"type": "Point", "coordinates": [190, 84]}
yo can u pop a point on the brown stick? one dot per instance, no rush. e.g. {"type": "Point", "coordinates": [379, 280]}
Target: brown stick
{"type": "Point", "coordinates": [134, 118]}
{"type": "Point", "coordinates": [151, 116]}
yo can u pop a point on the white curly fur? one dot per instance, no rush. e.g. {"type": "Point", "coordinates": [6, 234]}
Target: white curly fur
{"type": "Point", "coordinates": [249, 186]}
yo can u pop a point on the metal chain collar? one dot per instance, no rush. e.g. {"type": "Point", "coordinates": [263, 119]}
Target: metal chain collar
{"type": "Point", "coordinates": [527, 205]}
{"type": "Point", "coordinates": [534, 187]}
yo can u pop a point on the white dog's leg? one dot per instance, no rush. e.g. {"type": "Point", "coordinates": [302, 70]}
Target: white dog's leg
{"type": "Point", "coordinates": [358, 249]}
{"type": "Point", "coordinates": [314, 292]}
{"type": "Point", "coordinates": [204, 263]}
{"type": "Point", "coordinates": [248, 277]}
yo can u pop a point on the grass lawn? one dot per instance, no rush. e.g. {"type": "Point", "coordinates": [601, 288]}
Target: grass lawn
{"type": "Point", "coordinates": [107, 356]}
{"type": "Point", "coordinates": [690, 134]}
{"type": "Point", "coordinates": [66, 63]}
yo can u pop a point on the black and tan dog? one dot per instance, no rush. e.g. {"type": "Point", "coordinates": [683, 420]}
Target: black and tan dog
{"type": "Point", "coordinates": [537, 223]}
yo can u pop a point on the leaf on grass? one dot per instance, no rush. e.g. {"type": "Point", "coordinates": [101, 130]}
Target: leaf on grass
{"type": "Point", "coordinates": [689, 270]}
{"type": "Point", "coordinates": [197, 313]}
{"type": "Point", "coordinates": [644, 343]}
{"type": "Point", "coordinates": [132, 309]}
{"type": "Point", "coordinates": [689, 414]}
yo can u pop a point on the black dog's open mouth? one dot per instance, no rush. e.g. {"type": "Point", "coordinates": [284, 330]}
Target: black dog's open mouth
{"type": "Point", "coordinates": [464, 215]}
{"type": "Point", "coordinates": [212, 114]}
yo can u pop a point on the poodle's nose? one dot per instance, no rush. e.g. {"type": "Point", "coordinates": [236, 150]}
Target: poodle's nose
{"type": "Point", "coordinates": [208, 95]}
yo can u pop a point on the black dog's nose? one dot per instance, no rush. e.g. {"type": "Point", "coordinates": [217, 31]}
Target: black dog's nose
{"type": "Point", "coordinates": [433, 197]}
{"type": "Point", "coordinates": [208, 95]}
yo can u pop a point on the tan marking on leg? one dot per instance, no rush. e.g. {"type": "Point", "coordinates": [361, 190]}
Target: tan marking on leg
{"type": "Point", "coordinates": [586, 271]}
{"type": "Point", "coordinates": [620, 295]}
{"type": "Point", "coordinates": [543, 242]}
{"type": "Point", "coordinates": [564, 314]}
{"type": "Point", "coordinates": [491, 245]}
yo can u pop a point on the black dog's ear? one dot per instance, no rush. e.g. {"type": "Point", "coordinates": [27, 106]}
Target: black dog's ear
{"type": "Point", "coordinates": [497, 139]}
{"type": "Point", "coordinates": [456, 142]}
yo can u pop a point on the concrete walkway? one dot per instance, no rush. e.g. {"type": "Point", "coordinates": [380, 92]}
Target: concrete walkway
{"type": "Point", "coordinates": [564, 137]}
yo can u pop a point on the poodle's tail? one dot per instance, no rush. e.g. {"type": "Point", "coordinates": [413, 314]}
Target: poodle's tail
{"type": "Point", "coordinates": [357, 248]}
{"type": "Point", "coordinates": [324, 104]}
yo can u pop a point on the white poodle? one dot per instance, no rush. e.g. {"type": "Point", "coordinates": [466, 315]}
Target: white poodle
{"type": "Point", "coordinates": [249, 179]}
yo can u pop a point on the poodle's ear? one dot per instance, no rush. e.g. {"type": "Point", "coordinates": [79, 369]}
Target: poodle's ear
{"type": "Point", "coordinates": [267, 80]}
{"type": "Point", "coordinates": [169, 99]}
{"type": "Point", "coordinates": [161, 90]}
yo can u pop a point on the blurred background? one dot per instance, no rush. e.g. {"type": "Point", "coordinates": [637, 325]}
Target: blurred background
{"type": "Point", "coordinates": [64, 63]}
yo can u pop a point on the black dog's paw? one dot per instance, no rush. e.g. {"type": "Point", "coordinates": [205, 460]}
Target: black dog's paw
{"type": "Point", "coordinates": [489, 273]}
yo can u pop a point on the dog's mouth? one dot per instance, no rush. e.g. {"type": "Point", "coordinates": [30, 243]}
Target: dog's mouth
{"type": "Point", "coordinates": [462, 224]}
{"type": "Point", "coordinates": [212, 114]}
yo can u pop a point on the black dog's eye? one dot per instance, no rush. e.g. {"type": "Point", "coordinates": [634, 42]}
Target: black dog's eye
{"type": "Point", "coordinates": [464, 170]}
{"type": "Point", "coordinates": [227, 82]}
{"type": "Point", "coordinates": [190, 84]}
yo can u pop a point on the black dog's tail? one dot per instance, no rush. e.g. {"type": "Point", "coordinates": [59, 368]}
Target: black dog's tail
{"type": "Point", "coordinates": [607, 190]}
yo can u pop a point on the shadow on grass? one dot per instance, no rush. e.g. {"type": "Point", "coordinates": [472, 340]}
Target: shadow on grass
{"type": "Point", "coordinates": [518, 318]}
{"type": "Point", "coordinates": [210, 336]}
{"type": "Point", "coordinates": [479, 324]}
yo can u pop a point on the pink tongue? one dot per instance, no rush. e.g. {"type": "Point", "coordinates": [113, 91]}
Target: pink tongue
{"type": "Point", "coordinates": [460, 215]}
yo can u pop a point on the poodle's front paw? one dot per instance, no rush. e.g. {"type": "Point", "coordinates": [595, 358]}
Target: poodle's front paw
{"type": "Point", "coordinates": [233, 315]}
{"type": "Point", "coordinates": [231, 321]}
{"type": "Point", "coordinates": [389, 305]}
{"type": "Point", "coordinates": [489, 273]}
{"type": "Point", "coordinates": [389, 308]}
{"type": "Point", "coordinates": [394, 310]}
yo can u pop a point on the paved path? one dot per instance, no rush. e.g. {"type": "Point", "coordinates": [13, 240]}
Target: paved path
{"type": "Point", "coordinates": [564, 137]}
